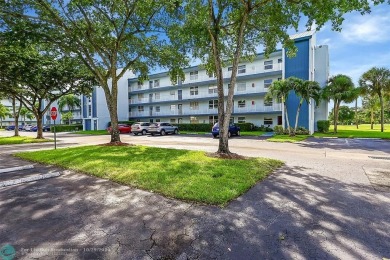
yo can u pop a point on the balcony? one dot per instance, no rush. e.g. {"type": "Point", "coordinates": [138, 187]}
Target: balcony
{"type": "Point", "coordinates": [207, 111]}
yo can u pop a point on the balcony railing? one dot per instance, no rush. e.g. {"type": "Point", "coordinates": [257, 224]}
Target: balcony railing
{"type": "Point", "coordinates": [205, 111]}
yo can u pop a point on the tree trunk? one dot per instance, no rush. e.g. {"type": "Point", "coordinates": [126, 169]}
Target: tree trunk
{"type": "Point", "coordinates": [111, 99]}
{"type": "Point", "coordinates": [335, 116]}
{"type": "Point", "coordinates": [356, 115]}
{"type": "Point", "coordinates": [16, 113]}
{"type": "Point", "coordinates": [1, 122]}
{"type": "Point", "coordinates": [382, 113]}
{"type": "Point", "coordinates": [69, 121]}
{"type": "Point", "coordinates": [297, 116]}
{"type": "Point", "coordinates": [39, 126]}
{"type": "Point", "coordinates": [287, 120]}
{"type": "Point", "coordinates": [372, 119]}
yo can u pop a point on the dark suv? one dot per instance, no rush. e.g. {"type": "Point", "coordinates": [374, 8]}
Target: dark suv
{"type": "Point", "coordinates": [162, 128]}
{"type": "Point", "coordinates": [233, 130]}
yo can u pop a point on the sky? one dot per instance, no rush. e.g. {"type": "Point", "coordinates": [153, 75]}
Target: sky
{"type": "Point", "coordinates": [363, 43]}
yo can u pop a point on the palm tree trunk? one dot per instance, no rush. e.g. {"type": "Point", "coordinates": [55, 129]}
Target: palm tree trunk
{"type": "Point", "coordinates": [372, 119]}
{"type": "Point", "coordinates": [356, 116]}
{"type": "Point", "coordinates": [382, 112]}
{"type": "Point", "coordinates": [287, 120]}
{"type": "Point", "coordinates": [336, 115]}
{"type": "Point", "coordinates": [297, 116]}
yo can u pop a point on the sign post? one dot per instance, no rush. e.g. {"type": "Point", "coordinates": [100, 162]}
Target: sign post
{"type": "Point", "coordinates": [53, 114]}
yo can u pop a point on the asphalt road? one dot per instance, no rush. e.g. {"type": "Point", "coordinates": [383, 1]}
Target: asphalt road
{"type": "Point", "coordinates": [330, 201]}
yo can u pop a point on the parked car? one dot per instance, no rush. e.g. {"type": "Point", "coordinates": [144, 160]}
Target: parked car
{"type": "Point", "coordinates": [162, 128]}
{"type": "Point", "coordinates": [233, 130]}
{"type": "Point", "coordinates": [12, 127]}
{"type": "Point", "coordinates": [27, 127]}
{"type": "Point", "coordinates": [45, 128]}
{"type": "Point", "coordinates": [123, 129]}
{"type": "Point", "coordinates": [140, 128]}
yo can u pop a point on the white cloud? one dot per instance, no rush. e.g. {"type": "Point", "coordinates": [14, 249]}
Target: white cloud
{"type": "Point", "coordinates": [367, 29]}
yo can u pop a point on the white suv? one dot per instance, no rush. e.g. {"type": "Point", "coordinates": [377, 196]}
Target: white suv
{"type": "Point", "coordinates": [140, 128]}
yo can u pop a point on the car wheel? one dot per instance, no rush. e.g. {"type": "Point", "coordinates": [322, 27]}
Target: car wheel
{"type": "Point", "coordinates": [162, 132]}
{"type": "Point", "coordinates": [152, 134]}
{"type": "Point", "coordinates": [215, 136]}
{"type": "Point", "coordinates": [229, 134]}
{"type": "Point", "coordinates": [238, 133]}
{"type": "Point", "coordinates": [143, 132]}
{"type": "Point", "coordinates": [135, 133]}
{"type": "Point", "coordinates": [175, 132]}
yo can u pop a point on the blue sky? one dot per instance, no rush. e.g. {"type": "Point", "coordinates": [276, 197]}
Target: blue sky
{"type": "Point", "coordinates": [363, 43]}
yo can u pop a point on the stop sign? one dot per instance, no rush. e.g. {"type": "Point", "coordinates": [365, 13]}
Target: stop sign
{"type": "Point", "coordinates": [53, 113]}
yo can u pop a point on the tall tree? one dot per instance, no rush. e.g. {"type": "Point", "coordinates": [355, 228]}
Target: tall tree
{"type": "Point", "coordinates": [70, 101]}
{"type": "Point", "coordinates": [376, 82]}
{"type": "Point", "coordinates": [306, 90]}
{"type": "Point", "coordinates": [111, 37]}
{"type": "Point", "coordinates": [280, 90]}
{"type": "Point", "coordinates": [24, 112]}
{"type": "Point", "coordinates": [221, 32]}
{"type": "Point", "coordinates": [340, 88]}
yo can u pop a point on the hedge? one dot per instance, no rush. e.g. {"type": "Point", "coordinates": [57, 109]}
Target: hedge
{"type": "Point", "coordinates": [67, 128]}
{"type": "Point", "coordinates": [195, 127]}
{"type": "Point", "coordinates": [323, 126]}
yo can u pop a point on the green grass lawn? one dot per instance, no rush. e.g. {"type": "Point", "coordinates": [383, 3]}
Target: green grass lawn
{"type": "Point", "coordinates": [21, 140]}
{"type": "Point", "coordinates": [364, 131]}
{"type": "Point", "coordinates": [182, 174]}
{"type": "Point", "coordinates": [287, 138]}
{"type": "Point", "coordinates": [92, 132]}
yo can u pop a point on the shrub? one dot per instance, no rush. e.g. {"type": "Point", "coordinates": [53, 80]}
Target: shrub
{"type": "Point", "coordinates": [67, 128]}
{"type": "Point", "coordinates": [195, 127]}
{"type": "Point", "coordinates": [323, 126]}
{"type": "Point", "coordinates": [246, 126]}
{"type": "Point", "coordinates": [279, 130]}
{"type": "Point", "coordinates": [302, 131]}
{"type": "Point", "coordinates": [269, 129]}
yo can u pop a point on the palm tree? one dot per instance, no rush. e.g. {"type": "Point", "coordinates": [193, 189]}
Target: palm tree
{"type": "Point", "coordinates": [24, 112]}
{"type": "Point", "coordinates": [4, 112]}
{"type": "Point", "coordinates": [376, 82]}
{"type": "Point", "coordinates": [372, 105]}
{"type": "Point", "coordinates": [280, 89]}
{"type": "Point", "coordinates": [340, 88]}
{"type": "Point", "coordinates": [71, 101]}
{"type": "Point", "coordinates": [305, 90]}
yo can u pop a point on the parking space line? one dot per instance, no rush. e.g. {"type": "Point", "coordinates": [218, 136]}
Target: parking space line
{"type": "Point", "coordinates": [18, 168]}
{"type": "Point", "coordinates": [29, 179]}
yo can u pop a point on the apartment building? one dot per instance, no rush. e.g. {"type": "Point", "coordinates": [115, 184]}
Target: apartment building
{"type": "Point", "coordinates": [194, 100]}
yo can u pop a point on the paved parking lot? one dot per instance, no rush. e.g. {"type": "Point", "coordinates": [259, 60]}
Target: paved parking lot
{"type": "Point", "coordinates": [322, 204]}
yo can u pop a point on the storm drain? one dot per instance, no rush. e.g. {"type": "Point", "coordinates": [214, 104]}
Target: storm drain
{"type": "Point", "coordinates": [379, 157]}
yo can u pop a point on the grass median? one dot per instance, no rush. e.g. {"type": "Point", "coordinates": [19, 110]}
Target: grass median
{"type": "Point", "coordinates": [182, 174]}
{"type": "Point", "coordinates": [92, 132]}
{"type": "Point", "coordinates": [21, 140]}
{"type": "Point", "coordinates": [287, 138]}
{"type": "Point", "coordinates": [364, 131]}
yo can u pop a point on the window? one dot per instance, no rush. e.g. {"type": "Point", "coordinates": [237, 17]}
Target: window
{"type": "Point", "coordinates": [213, 119]}
{"type": "Point", "coordinates": [267, 83]}
{"type": "Point", "coordinates": [151, 84]}
{"type": "Point", "coordinates": [156, 95]}
{"type": "Point", "coordinates": [89, 110]}
{"type": "Point", "coordinates": [173, 120]}
{"type": "Point", "coordinates": [241, 119]}
{"type": "Point", "coordinates": [158, 120]}
{"type": "Point", "coordinates": [140, 85]}
{"type": "Point", "coordinates": [213, 104]}
{"type": "Point", "coordinates": [280, 60]}
{"type": "Point", "coordinates": [241, 69]}
{"type": "Point", "coordinates": [193, 75]}
{"type": "Point", "coordinates": [279, 79]}
{"type": "Point", "coordinates": [212, 75]}
{"type": "Point", "coordinates": [194, 91]}
{"type": "Point", "coordinates": [173, 107]}
{"type": "Point", "coordinates": [194, 120]}
{"type": "Point", "coordinates": [151, 120]}
{"type": "Point", "coordinates": [268, 121]}
{"type": "Point", "coordinates": [213, 89]}
{"type": "Point", "coordinates": [241, 103]}
{"type": "Point", "coordinates": [140, 96]}
{"type": "Point", "coordinates": [140, 108]}
{"type": "Point", "coordinates": [194, 105]}
{"type": "Point", "coordinates": [157, 108]}
{"type": "Point", "coordinates": [231, 120]}
{"type": "Point", "coordinates": [156, 83]}
{"type": "Point", "coordinates": [230, 68]}
{"type": "Point", "coordinates": [268, 65]}
{"type": "Point", "coordinates": [268, 102]}
{"type": "Point", "coordinates": [241, 86]}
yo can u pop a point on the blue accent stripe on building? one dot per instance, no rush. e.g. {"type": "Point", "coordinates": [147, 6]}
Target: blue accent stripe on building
{"type": "Point", "coordinates": [94, 103]}
{"type": "Point", "coordinates": [298, 66]}
{"type": "Point", "coordinates": [85, 106]}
